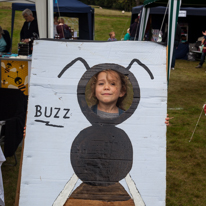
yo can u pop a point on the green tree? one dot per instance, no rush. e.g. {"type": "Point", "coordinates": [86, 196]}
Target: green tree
{"type": "Point", "coordinates": [115, 4]}
{"type": "Point", "coordinates": [127, 4]}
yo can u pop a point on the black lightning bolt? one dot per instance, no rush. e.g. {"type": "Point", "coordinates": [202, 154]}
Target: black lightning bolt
{"type": "Point", "coordinates": [47, 123]}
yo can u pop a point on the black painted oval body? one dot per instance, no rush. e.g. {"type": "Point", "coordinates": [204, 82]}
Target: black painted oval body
{"type": "Point", "coordinates": [101, 155]}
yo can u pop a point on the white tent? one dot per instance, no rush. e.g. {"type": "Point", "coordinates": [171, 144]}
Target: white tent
{"type": "Point", "coordinates": [174, 6]}
{"type": "Point", "coordinates": [44, 9]}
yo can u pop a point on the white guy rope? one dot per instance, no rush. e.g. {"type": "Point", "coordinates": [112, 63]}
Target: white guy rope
{"type": "Point", "coordinates": [163, 22]}
{"type": "Point", "coordinates": [196, 125]}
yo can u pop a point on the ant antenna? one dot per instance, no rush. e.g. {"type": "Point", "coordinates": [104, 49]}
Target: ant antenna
{"type": "Point", "coordinates": [71, 63]}
{"type": "Point", "coordinates": [142, 65]}
{"type": "Point", "coordinates": [11, 77]}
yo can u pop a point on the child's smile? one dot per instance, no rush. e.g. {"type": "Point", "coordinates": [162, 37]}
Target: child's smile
{"type": "Point", "coordinates": [108, 88]}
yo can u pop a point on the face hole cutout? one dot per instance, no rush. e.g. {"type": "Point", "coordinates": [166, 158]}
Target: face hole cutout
{"type": "Point", "coordinates": [116, 79]}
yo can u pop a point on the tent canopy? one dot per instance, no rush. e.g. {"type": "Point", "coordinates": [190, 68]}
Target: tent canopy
{"type": "Point", "coordinates": [174, 6]}
{"type": "Point", "coordinates": [194, 18]}
{"type": "Point", "coordinates": [173, 11]}
{"type": "Point", "coordinates": [194, 3]}
{"type": "Point", "coordinates": [191, 11]}
{"type": "Point", "coordinates": [71, 8]}
{"type": "Point", "coordinates": [19, 1]}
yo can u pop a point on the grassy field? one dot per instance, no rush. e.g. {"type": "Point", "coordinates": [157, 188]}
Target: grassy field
{"type": "Point", "coordinates": [186, 161]}
{"type": "Point", "coordinates": [111, 20]}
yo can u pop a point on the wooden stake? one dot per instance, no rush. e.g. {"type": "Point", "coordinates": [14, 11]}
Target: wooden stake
{"type": "Point", "coordinates": [19, 177]}
{"type": "Point", "coordinates": [20, 169]}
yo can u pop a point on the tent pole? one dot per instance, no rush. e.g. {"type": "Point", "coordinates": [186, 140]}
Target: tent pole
{"type": "Point", "coordinates": [12, 25]}
{"type": "Point", "coordinates": [50, 16]}
{"type": "Point", "coordinates": [174, 7]}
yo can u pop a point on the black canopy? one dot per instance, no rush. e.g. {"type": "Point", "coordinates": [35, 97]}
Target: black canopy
{"type": "Point", "coordinates": [194, 18]}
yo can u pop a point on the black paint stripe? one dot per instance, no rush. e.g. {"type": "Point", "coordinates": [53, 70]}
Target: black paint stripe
{"type": "Point", "coordinates": [71, 63]}
{"type": "Point", "coordinates": [47, 124]}
{"type": "Point", "coordinates": [141, 64]}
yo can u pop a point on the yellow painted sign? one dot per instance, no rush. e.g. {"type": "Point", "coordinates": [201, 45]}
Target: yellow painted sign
{"type": "Point", "coordinates": [14, 74]}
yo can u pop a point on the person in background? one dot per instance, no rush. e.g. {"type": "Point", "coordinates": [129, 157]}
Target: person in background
{"type": "Point", "coordinates": [202, 60]}
{"type": "Point", "coordinates": [56, 16]}
{"type": "Point", "coordinates": [112, 36]}
{"type": "Point", "coordinates": [5, 41]}
{"type": "Point", "coordinates": [204, 33]}
{"type": "Point", "coordinates": [176, 43]}
{"type": "Point", "coordinates": [29, 30]}
{"type": "Point", "coordinates": [127, 35]}
{"type": "Point", "coordinates": [148, 31]}
{"type": "Point", "coordinates": [164, 36]}
{"type": "Point", "coordinates": [61, 27]}
{"type": "Point", "coordinates": [204, 108]}
{"type": "Point", "coordinates": [134, 30]}
{"type": "Point", "coordinates": [30, 27]}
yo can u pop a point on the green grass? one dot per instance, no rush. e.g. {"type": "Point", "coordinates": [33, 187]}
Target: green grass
{"type": "Point", "coordinates": [186, 161]}
{"type": "Point", "coordinates": [105, 24]}
{"type": "Point", "coordinates": [5, 23]}
{"type": "Point", "coordinates": [10, 178]}
{"type": "Point", "coordinates": [109, 12]}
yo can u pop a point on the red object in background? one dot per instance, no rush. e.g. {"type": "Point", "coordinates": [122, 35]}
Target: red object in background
{"type": "Point", "coordinates": [204, 107]}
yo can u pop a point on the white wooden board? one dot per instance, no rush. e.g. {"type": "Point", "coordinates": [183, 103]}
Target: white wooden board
{"type": "Point", "coordinates": [46, 160]}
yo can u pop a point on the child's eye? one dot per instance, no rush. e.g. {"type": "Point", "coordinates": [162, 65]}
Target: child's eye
{"type": "Point", "coordinates": [101, 84]}
{"type": "Point", "coordinates": [113, 83]}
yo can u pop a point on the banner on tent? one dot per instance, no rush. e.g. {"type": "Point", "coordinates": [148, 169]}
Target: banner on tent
{"type": "Point", "coordinates": [182, 13]}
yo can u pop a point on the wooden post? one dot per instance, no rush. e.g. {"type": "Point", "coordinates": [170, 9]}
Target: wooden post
{"type": "Point", "coordinates": [20, 169]}
{"type": "Point", "coordinates": [167, 63]}
{"type": "Point", "coordinates": [19, 177]}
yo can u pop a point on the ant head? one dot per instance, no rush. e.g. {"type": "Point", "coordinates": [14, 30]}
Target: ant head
{"type": "Point", "coordinates": [91, 116]}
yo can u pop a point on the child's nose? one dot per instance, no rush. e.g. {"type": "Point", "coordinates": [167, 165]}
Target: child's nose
{"type": "Point", "coordinates": [106, 86]}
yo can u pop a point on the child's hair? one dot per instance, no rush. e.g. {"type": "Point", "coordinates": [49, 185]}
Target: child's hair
{"type": "Point", "coordinates": [124, 86]}
{"type": "Point", "coordinates": [110, 34]}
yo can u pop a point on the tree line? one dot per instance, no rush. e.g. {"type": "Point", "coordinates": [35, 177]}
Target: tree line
{"type": "Point", "coordinates": [114, 4]}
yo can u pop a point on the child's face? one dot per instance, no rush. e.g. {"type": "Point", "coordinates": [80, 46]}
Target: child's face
{"type": "Point", "coordinates": [108, 88]}
{"type": "Point", "coordinates": [113, 35]}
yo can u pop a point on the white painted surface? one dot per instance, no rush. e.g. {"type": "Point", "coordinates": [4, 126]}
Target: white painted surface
{"type": "Point", "coordinates": [46, 163]}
